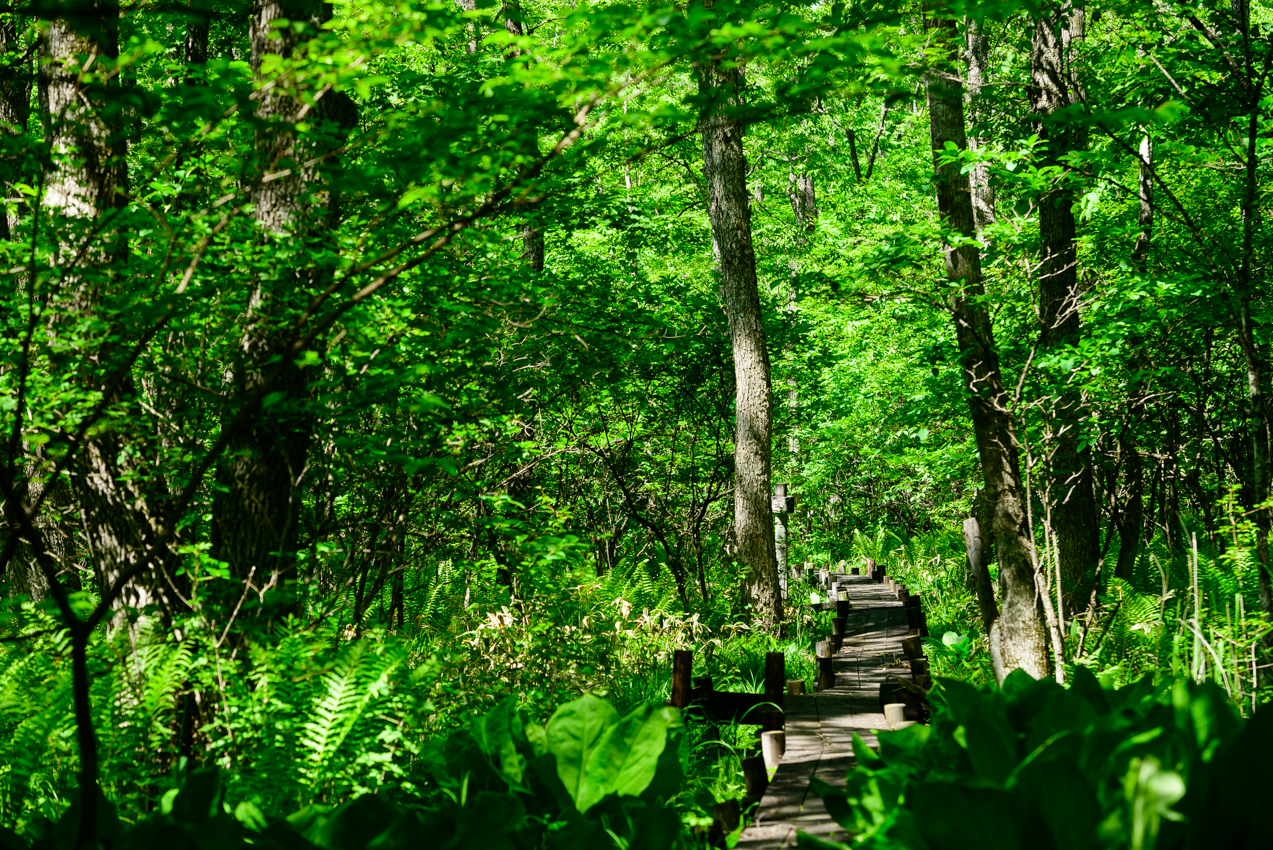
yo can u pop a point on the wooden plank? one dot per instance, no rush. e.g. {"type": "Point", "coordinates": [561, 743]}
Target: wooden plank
{"type": "Point", "coordinates": [820, 728]}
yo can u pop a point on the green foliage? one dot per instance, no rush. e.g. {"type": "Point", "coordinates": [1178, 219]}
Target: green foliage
{"type": "Point", "coordinates": [1037, 765]}
{"type": "Point", "coordinates": [591, 779]}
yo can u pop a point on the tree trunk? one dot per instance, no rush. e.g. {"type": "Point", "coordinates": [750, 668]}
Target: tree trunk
{"type": "Point", "coordinates": [255, 511]}
{"type": "Point", "coordinates": [1131, 529]}
{"type": "Point", "coordinates": [1134, 513]}
{"type": "Point", "coordinates": [725, 172]}
{"type": "Point", "coordinates": [15, 108]}
{"type": "Point", "coordinates": [983, 194]}
{"type": "Point", "coordinates": [1018, 638]}
{"type": "Point", "coordinates": [1074, 517]}
{"type": "Point", "coordinates": [1252, 351]}
{"type": "Point", "coordinates": [86, 190]}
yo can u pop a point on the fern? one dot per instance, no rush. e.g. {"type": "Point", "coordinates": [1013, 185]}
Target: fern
{"type": "Point", "coordinates": [355, 681]}
{"type": "Point", "coordinates": [35, 718]}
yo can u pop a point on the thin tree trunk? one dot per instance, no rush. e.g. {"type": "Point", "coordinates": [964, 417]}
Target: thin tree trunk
{"type": "Point", "coordinates": [1019, 637]}
{"type": "Point", "coordinates": [1074, 516]}
{"type": "Point", "coordinates": [1256, 364]}
{"type": "Point", "coordinates": [983, 194]}
{"type": "Point", "coordinates": [724, 171]}
{"type": "Point", "coordinates": [1133, 523]}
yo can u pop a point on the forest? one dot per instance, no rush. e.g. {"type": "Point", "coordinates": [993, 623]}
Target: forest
{"type": "Point", "coordinates": [396, 395]}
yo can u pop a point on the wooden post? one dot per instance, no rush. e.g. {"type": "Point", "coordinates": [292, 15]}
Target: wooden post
{"type": "Point", "coordinates": [873, 571]}
{"type": "Point", "coordinates": [795, 687]}
{"type": "Point", "coordinates": [895, 714]}
{"type": "Point", "coordinates": [843, 607]}
{"type": "Point", "coordinates": [775, 677]}
{"type": "Point", "coordinates": [682, 666]}
{"type": "Point", "coordinates": [773, 745]}
{"type": "Point", "coordinates": [855, 572]}
{"type": "Point", "coordinates": [889, 692]}
{"type": "Point", "coordinates": [913, 647]}
{"type": "Point", "coordinates": [837, 633]}
{"type": "Point", "coordinates": [980, 573]}
{"type": "Point", "coordinates": [826, 673]}
{"type": "Point", "coordinates": [826, 665]}
{"type": "Point", "coordinates": [726, 817]}
{"type": "Point", "coordinates": [755, 777]}
{"type": "Point", "coordinates": [912, 606]}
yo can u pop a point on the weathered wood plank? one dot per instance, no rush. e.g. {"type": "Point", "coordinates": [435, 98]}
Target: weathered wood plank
{"type": "Point", "coordinates": [820, 728]}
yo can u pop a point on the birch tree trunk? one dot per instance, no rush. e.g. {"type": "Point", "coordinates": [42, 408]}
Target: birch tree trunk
{"type": "Point", "coordinates": [983, 194]}
{"type": "Point", "coordinates": [1018, 638]}
{"type": "Point", "coordinates": [724, 171]}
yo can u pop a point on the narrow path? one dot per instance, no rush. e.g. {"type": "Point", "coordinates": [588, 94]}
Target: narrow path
{"type": "Point", "coordinates": [820, 727]}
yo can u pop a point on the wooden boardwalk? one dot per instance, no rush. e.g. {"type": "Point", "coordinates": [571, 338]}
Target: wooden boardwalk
{"type": "Point", "coordinates": [820, 727]}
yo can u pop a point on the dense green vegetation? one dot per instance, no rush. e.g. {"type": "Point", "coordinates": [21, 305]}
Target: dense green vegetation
{"type": "Point", "coordinates": [388, 389]}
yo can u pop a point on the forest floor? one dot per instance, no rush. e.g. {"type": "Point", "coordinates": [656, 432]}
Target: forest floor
{"type": "Point", "coordinates": [820, 727]}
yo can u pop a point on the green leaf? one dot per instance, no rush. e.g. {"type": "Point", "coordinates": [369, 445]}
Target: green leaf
{"type": "Point", "coordinates": [627, 756]}
{"type": "Point", "coordinates": [575, 731]}
{"type": "Point", "coordinates": [497, 734]}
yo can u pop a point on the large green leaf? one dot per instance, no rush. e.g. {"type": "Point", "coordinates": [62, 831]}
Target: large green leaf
{"type": "Point", "coordinates": [498, 734]}
{"type": "Point", "coordinates": [626, 759]}
{"type": "Point", "coordinates": [575, 731]}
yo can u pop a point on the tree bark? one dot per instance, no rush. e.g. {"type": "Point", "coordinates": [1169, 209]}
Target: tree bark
{"type": "Point", "coordinates": [1252, 352]}
{"type": "Point", "coordinates": [1074, 517]}
{"type": "Point", "coordinates": [1133, 521]}
{"type": "Point", "coordinates": [724, 171]}
{"type": "Point", "coordinates": [86, 191]}
{"type": "Point", "coordinates": [255, 511]}
{"type": "Point", "coordinates": [983, 194]}
{"type": "Point", "coordinates": [1018, 638]}
{"type": "Point", "coordinates": [15, 107]}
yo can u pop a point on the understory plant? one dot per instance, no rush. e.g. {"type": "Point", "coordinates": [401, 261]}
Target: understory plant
{"type": "Point", "coordinates": [1037, 765]}
{"type": "Point", "coordinates": [588, 779]}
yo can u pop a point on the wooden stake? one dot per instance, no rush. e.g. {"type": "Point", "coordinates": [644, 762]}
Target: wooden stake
{"type": "Point", "coordinates": [682, 665]}
{"type": "Point", "coordinates": [775, 677]}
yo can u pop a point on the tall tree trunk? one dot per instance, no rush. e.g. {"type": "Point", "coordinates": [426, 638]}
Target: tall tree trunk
{"type": "Point", "coordinates": [15, 107]}
{"type": "Point", "coordinates": [1252, 352]}
{"type": "Point", "coordinates": [1131, 528]}
{"type": "Point", "coordinates": [983, 194]}
{"type": "Point", "coordinates": [725, 172]}
{"type": "Point", "coordinates": [255, 511]}
{"type": "Point", "coordinates": [86, 191]}
{"type": "Point", "coordinates": [195, 49]}
{"type": "Point", "coordinates": [1074, 515]}
{"type": "Point", "coordinates": [1018, 638]}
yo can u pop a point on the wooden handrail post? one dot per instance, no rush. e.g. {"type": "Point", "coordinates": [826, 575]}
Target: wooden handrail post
{"type": "Point", "coordinates": [775, 677]}
{"type": "Point", "coordinates": [682, 666]}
